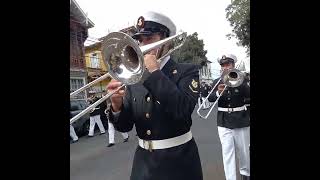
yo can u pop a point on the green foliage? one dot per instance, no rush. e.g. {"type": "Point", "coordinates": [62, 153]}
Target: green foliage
{"type": "Point", "coordinates": [238, 14]}
{"type": "Point", "coordinates": [192, 51]}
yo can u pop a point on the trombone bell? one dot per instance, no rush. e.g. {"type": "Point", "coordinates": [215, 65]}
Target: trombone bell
{"type": "Point", "coordinates": [232, 77]}
{"type": "Point", "coordinates": [123, 58]}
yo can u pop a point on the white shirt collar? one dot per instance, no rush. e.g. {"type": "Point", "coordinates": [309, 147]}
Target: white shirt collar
{"type": "Point", "coordinates": [164, 62]}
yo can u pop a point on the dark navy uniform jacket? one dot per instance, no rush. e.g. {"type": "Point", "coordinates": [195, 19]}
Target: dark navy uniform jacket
{"type": "Point", "coordinates": [160, 107]}
{"type": "Point", "coordinates": [231, 98]}
{"type": "Point", "coordinates": [97, 109]}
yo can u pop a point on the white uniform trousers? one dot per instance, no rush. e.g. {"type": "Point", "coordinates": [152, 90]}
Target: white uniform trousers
{"type": "Point", "coordinates": [235, 141]}
{"type": "Point", "coordinates": [73, 133]}
{"type": "Point", "coordinates": [93, 121]}
{"type": "Point", "coordinates": [111, 132]}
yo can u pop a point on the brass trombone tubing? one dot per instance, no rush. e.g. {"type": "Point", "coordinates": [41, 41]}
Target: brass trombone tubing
{"type": "Point", "coordinates": [144, 49]}
{"type": "Point", "coordinates": [105, 97]}
{"type": "Point", "coordinates": [212, 106]}
{"type": "Point", "coordinates": [101, 78]}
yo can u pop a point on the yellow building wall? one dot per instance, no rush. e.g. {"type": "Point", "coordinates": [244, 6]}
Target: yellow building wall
{"type": "Point", "coordinates": [98, 52]}
{"type": "Point", "coordinates": [101, 85]}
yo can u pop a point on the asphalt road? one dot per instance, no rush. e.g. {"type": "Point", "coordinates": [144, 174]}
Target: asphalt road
{"type": "Point", "coordinates": [90, 159]}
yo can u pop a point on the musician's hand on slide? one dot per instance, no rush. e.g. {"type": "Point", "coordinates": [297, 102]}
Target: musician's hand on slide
{"type": "Point", "coordinates": [221, 87]}
{"type": "Point", "coordinates": [117, 97]}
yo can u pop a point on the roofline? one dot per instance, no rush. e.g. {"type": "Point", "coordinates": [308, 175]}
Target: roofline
{"type": "Point", "coordinates": [93, 45]}
{"type": "Point", "coordinates": [91, 24]}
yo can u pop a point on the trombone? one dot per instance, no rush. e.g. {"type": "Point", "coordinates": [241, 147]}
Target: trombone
{"type": "Point", "coordinates": [125, 61]}
{"type": "Point", "coordinates": [231, 78]}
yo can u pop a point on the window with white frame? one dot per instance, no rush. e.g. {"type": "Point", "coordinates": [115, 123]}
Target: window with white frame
{"type": "Point", "coordinates": [94, 60]}
{"type": "Point", "coordinates": [76, 83]}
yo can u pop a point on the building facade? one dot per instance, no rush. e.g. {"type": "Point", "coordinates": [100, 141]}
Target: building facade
{"type": "Point", "coordinates": [96, 68]}
{"type": "Point", "coordinates": [205, 73]}
{"type": "Point", "coordinates": [79, 25]}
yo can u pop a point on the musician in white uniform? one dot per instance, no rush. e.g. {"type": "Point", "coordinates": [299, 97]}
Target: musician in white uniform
{"type": "Point", "coordinates": [233, 122]}
{"type": "Point", "coordinates": [95, 118]}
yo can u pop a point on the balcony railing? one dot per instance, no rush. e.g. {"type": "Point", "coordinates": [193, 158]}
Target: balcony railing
{"type": "Point", "coordinates": [77, 62]}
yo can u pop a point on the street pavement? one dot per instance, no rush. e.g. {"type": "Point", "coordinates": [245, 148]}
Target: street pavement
{"type": "Point", "coordinates": [90, 159]}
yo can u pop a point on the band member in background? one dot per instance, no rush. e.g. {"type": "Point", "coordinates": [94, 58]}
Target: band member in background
{"type": "Point", "coordinates": [73, 134]}
{"type": "Point", "coordinates": [204, 91]}
{"type": "Point", "coordinates": [233, 123]}
{"type": "Point", "coordinates": [95, 117]}
{"type": "Point", "coordinates": [160, 107]}
{"type": "Point", "coordinates": [111, 131]}
{"type": "Point", "coordinates": [247, 100]}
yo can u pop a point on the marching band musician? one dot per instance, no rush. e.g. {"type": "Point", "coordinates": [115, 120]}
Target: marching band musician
{"type": "Point", "coordinates": [111, 131]}
{"type": "Point", "coordinates": [73, 134]}
{"type": "Point", "coordinates": [247, 100]}
{"type": "Point", "coordinates": [233, 122]}
{"type": "Point", "coordinates": [95, 117]}
{"type": "Point", "coordinates": [160, 107]}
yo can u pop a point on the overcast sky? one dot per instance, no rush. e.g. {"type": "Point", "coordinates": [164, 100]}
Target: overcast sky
{"type": "Point", "coordinates": [206, 17]}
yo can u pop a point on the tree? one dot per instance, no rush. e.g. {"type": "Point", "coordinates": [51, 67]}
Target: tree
{"type": "Point", "coordinates": [238, 14]}
{"type": "Point", "coordinates": [191, 52]}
